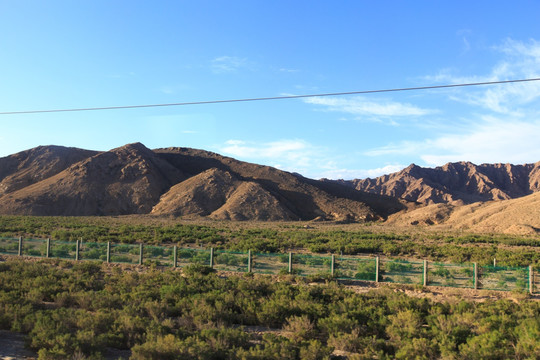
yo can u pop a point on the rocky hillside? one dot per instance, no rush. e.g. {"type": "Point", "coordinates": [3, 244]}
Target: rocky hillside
{"type": "Point", "coordinates": [31, 166]}
{"type": "Point", "coordinates": [133, 179]}
{"type": "Point", "coordinates": [455, 183]}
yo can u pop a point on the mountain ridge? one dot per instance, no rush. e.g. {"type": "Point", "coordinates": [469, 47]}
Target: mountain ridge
{"type": "Point", "coordinates": [455, 183]}
{"type": "Point", "coordinates": [133, 179]}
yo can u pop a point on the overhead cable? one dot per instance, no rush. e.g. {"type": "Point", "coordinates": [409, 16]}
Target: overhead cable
{"type": "Point", "coordinates": [284, 97]}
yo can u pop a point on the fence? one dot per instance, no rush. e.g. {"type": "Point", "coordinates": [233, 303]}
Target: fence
{"type": "Point", "coordinates": [343, 267]}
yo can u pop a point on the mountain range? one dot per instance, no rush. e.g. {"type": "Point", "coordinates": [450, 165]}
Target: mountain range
{"type": "Point", "coordinates": [455, 183]}
{"type": "Point", "coordinates": [495, 198]}
{"type": "Point", "coordinates": [132, 179]}
{"type": "Point", "coordinates": [191, 183]}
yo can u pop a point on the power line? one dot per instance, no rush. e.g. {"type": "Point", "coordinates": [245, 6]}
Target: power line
{"type": "Point", "coordinates": [269, 98]}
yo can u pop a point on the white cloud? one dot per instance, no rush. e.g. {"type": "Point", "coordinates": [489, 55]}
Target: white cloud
{"type": "Point", "coordinates": [172, 89]}
{"type": "Point", "coordinates": [521, 61]}
{"type": "Point", "coordinates": [295, 151]}
{"type": "Point", "coordinates": [296, 155]}
{"type": "Point", "coordinates": [490, 141]}
{"type": "Point", "coordinates": [503, 124]}
{"type": "Point", "coordinates": [360, 106]}
{"type": "Point", "coordinates": [401, 148]}
{"type": "Point", "coordinates": [349, 174]}
{"type": "Point", "coordinates": [285, 70]}
{"type": "Point", "coordinates": [228, 64]}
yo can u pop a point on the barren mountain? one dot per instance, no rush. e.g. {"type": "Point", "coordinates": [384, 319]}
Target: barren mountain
{"type": "Point", "coordinates": [126, 180]}
{"type": "Point", "coordinates": [455, 183]}
{"type": "Point", "coordinates": [218, 194]}
{"type": "Point", "coordinates": [31, 166]}
{"type": "Point", "coordinates": [299, 197]}
{"type": "Point", "coordinates": [185, 182]}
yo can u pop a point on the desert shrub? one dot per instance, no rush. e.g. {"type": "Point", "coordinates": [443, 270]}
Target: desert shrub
{"type": "Point", "coordinates": [197, 269]}
{"type": "Point", "coordinates": [299, 328]}
{"type": "Point", "coordinates": [78, 308]}
{"type": "Point", "coordinates": [365, 270]}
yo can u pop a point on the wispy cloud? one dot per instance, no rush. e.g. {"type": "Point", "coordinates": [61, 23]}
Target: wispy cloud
{"type": "Point", "coordinates": [464, 34]}
{"type": "Point", "coordinates": [295, 151]}
{"type": "Point", "coordinates": [503, 123]}
{"type": "Point", "coordinates": [362, 107]}
{"type": "Point", "coordinates": [285, 70]}
{"type": "Point", "coordinates": [349, 174]}
{"type": "Point", "coordinates": [228, 64]}
{"type": "Point", "coordinates": [520, 60]}
{"type": "Point", "coordinates": [492, 140]}
{"type": "Point", "coordinates": [172, 89]}
{"type": "Point", "coordinates": [297, 155]}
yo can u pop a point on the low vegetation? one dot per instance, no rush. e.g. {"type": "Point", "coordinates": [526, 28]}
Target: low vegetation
{"type": "Point", "coordinates": [84, 308]}
{"type": "Point", "coordinates": [283, 237]}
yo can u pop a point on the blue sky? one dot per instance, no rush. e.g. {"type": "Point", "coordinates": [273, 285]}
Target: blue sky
{"type": "Point", "coordinates": [79, 54]}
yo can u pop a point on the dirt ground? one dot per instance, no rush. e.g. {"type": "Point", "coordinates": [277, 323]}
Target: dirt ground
{"type": "Point", "coordinates": [12, 346]}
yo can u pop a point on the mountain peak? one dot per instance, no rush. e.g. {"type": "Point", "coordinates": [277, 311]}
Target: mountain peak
{"type": "Point", "coordinates": [136, 147]}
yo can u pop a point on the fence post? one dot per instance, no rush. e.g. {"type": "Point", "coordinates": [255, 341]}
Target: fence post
{"type": "Point", "coordinates": [249, 261]}
{"type": "Point", "coordinates": [212, 257]}
{"type": "Point", "coordinates": [475, 276]}
{"type": "Point", "coordinates": [48, 253]}
{"type": "Point", "coordinates": [77, 250]}
{"type": "Point", "coordinates": [377, 268]}
{"type": "Point", "coordinates": [531, 279]}
{"type": "Point", "coordinates": [290, 262]}
{"type": "Point", "coordinates": [333, 265]}
{"type": "Point", "coordinates": [425, 273]}
{"type": "Point", "coordinates": [140, 254]}
{"type": "Point", "coordinates": [494, 262]}
{"type": "Point", "coordinates": [175, 256]}
{"type": "Point", "coordinates": [20, 246]}
{"type": "Point", "coordinates": [108, 252]}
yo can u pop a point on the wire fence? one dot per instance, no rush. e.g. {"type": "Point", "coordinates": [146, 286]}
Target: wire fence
{"type": "Point", "coordinates": [343, 267]}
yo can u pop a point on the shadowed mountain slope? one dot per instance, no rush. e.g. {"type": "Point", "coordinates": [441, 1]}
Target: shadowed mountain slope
{"type": "Point", "coordinates": [305, 198]}
{"type": "Point", "coordinates": [461, 182]}
{"type": "Point", "coordinates": [219, 195]}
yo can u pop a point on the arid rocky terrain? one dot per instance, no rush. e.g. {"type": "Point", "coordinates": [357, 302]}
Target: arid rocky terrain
{"type": "Point", "coordinates": [455, 183]}
{"type": "Point", "coordinates": [192, 184]}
